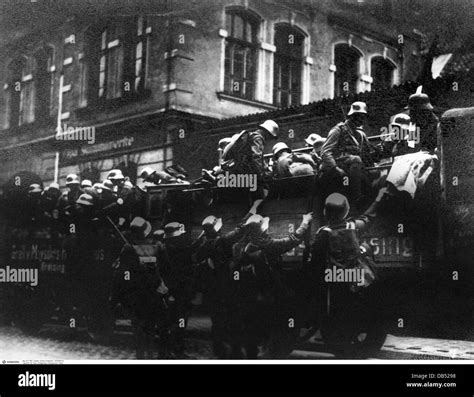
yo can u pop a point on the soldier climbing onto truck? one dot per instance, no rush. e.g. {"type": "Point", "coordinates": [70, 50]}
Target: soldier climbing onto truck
{"type": "Point", "coordinates": [256, 256]}
{"type": "Point", "coordinates": [337, 247]}
{"type": "Point", "coordinates": [215, 249]}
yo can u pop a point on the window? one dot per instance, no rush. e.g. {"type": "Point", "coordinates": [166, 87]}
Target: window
{"type": "Point", "coordinates": [140, 47]}
{"type": "Point", "coordinates": [27, 95]}
{"type": "Point", "coordinates": [14, 91]}
{"type": "Point", "coordinates": [20, 92]}
{"type": "Point", "coordinates": [240, 54]}
{"type": "Point", "coordinates": [287, 66]}
{"type": "Point", "coordinates": [44, 83]}
{"type": "Point", "coordinates": [116, 59]}
{"type": "Point", "coordinates": [382, 73]}
{"type": "Point", "coordinates": [346, 60]}
{"type": "Point", "coordinates": [111, 63]}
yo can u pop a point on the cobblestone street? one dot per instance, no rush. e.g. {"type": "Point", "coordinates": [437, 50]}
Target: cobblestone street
{"type": "Point", "coordinates": [58, 343]}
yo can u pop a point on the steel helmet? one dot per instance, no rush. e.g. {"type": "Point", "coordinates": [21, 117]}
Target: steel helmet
{"type": "Point", "coordinates": [419, 100]}
{"type": "Point", "coordinates": [315, 140]}
{"type": "Point", "coordinates": [271, 126]}
{"type": "Point", "coordinates": [174, 229]}
{"type": "Point", "coordinates": [401, 119]}
{"type": "Point", "coordinates": [72, 179]}
{"type": "Point", "coordinates": [215, 223]}
{"type": "Point", "coordinates": [140, 225]}
{"type": "Point", "coordinates": [358, 107]}
{"type": "Point", "coordinates": [279, 147]}
{"type": "Point", "coordinates": [224, 142]}
{"type": "Point", "coordinates": [159, 233]}
{"type": "Point", "coordinates": [115, 175]}
{"type": "Point", "coordinates": [86, 183]}
{"type": "Point", "coordinates": [34, 188]}
{"type": "Point", "coordinates": [258, 221]}
{"type": "Point", "coordinates": [147, 172]}
{"type": "Point", "coordinates": [85, 199]}
{"type": "Point", "coordinates": [97, 187]}
{"type": "Point", "coordinates": [336, 204]}
{"type": "Point", "coordinates": [54, 186]}
{"type": "Point", "coordinates": [107, 185]}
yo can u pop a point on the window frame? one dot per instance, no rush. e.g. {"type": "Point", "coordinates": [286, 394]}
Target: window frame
{"type": "Point", "coordinates": [292, 60]}
{"type": "Point", "coordinates": [387, 62]}
{"type": "Point", "coordinates": [232, 44]}
{"type": "Point", "coordinates": [357, 75]}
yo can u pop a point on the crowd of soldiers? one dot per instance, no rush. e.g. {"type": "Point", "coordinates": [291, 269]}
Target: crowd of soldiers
{"type": "Point", "coordinates": [162, 264]}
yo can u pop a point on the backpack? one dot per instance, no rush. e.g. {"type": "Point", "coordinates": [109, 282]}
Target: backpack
{"type": "Point", "coordinates": [345, 252]}
{"type": "Point", "coordinates": [343, 247]}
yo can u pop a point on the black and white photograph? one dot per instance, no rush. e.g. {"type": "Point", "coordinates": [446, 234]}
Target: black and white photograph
{"type": "Point", "coordinates": [252, 180]}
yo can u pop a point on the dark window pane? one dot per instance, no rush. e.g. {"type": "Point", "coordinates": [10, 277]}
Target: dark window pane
{"type": "Point", "coordinates": [347, 70]}
{"type": "Point", "coordinates": [287, 65]}
{"type": "Point", "coordinates": [238, 27]}
{"type": "Point", "coordinates": [228, 23]}
{"type": "Point", "coordinates": [382, 72]}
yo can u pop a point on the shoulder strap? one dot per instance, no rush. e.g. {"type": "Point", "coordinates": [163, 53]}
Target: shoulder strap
{"type": "Point", "coordinates": [324, 228]}
{"type": "Point", "coordinates": [232, 143]}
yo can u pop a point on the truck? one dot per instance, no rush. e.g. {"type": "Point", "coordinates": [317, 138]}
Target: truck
{"type": "Point", "coordinates": [422, 248]}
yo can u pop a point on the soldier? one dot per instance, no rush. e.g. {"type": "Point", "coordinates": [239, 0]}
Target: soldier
{"type": "Point", "coordinates": [34, 202]}
{"type": "Point", "coordinates": [49, 200]}
{"type": "Point", "coordinates": [176, 269]}
{"type": "Point", "coordinates": [67, 201]}
{"type": "Point", "coordinates": [245, 152]}
{"type": "Point", "coordinates": [337, 244]}
{"type": "Point", "coordinates": [398, 141]}
{"type": "Point", "coordinates": [139, 286]}
{"type": "Point", "coordinates": [86, 183]}
{"type": "Point", "coordinates": [124, 204]}
{"type": "Point", "coordinates": [107, 194]}
{"type": "Point", "coordinates": [216, 250]}
{"type": "Point", "coordinates": [421, 113]}
{"type": "Point", "coordinates": [315, 141]}
{"type": "Point", "coordinates": [344, 153]}
{"type": "Point", "coordinates": [287, 164]}
{"type": "Point", "coordinates": [259, 254]}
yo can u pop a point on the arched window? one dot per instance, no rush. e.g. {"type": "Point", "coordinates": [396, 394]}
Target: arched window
{"type": "Point", "coordinates": [382, 73]}
{"type": "Point", "coordinates": [287, 66]}
{"type": "Point", "coordinates": [346, 60]}
{"type": "Point", "coordinates": [44, 83]}
{"type": "Point", "coordinates": [241, 54]}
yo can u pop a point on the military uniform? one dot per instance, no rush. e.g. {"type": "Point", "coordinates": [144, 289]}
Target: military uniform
{"type": "Point", "coordinates": [347, 148]}
{"type": "Point", "coordinates": [218, 254]}
{"type": "Point", "coordinates": [67, 202]}
{"type": "Point", "coordinates": [175, 263]}
{"type": "Point", "coordinates": [293, 164]}
{"type": "Point", "coordinates": [258, 257]}
{"type": "Point", "coordinates": [247, 153]}
{"type": "Point", "coordinates": [138, 291]}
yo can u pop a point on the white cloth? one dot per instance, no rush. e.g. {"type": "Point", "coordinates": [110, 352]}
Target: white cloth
{"type": "Point", "coordinates": [410, 171]}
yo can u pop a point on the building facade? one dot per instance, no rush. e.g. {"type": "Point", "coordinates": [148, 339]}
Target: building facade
{"type": "Point", "coordinates": [123, 82]}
